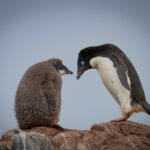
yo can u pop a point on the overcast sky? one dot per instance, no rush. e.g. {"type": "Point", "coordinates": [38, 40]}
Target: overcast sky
{"type": "Point", "coordinates": [33, 31]}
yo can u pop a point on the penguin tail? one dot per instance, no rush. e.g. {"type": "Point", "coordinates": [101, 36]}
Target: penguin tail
{"type": "Point", "coordinates": [146, 106]}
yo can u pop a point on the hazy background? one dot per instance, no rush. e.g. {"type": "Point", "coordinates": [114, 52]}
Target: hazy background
{"type": "Point", "coordinates": [33, 31]}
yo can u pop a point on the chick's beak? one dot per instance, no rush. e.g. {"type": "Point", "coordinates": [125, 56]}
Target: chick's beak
{"type": "Point", "coordinates": [64, 70]}
{"type": "Point", "coordinates": [69, 72]}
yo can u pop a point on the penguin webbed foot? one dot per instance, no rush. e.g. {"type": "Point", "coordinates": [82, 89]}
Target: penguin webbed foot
{"type": "Point", "coordinates": [124, 118]}
{"type": "Point", "coordinates": [118, 120]}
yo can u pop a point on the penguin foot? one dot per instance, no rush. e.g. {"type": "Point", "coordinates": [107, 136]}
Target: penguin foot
{"type": "Point", "coordinates": [57, 126]}
{"type": "Point", "coordinates": [121, 119]}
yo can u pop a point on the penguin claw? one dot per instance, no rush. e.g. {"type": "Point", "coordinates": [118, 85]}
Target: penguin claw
{"type": "Point", "coordinates": [57, 126]}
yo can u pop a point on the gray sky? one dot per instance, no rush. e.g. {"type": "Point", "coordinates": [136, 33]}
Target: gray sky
{"type": "Point", "coordinates": [33, 31]}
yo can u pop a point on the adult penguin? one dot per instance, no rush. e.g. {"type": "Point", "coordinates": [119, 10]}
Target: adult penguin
{"type": "Point", "coordinates": [118, 75]}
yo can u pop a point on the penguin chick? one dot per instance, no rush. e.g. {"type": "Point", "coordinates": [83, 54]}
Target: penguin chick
{"type": "Point", "coordinates": [38, 97]}
{"type": "Point", "coordinates": [118, 75]}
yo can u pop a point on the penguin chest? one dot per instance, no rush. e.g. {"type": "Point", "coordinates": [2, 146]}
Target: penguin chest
{"type": "Point", "coordinates": [111, 81]}
{"type": "Point", "coordinates": [110, 78]}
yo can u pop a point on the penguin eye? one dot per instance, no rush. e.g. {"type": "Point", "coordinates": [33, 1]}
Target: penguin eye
{"type": "Point", "coordinates": [82, 62]}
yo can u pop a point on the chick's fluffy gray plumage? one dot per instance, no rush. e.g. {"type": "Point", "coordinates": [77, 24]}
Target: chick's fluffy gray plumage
{"type": "Point", "coordinates": [38, 97]}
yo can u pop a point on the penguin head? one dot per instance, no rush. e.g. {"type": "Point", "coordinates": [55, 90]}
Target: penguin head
{"type": "Point", "coordinates": [85, 58]}
{"type": "Point", "coordinates": [83, 62]}
{"type": "Point", "coordinates": [60, 67]}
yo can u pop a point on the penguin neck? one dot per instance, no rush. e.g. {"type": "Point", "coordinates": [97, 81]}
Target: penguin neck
{"type": "Point", "coordinates": [101, 63]}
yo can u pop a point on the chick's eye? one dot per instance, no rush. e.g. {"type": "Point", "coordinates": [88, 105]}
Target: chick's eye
{"type": "Point", "coordinates": [82, 62]}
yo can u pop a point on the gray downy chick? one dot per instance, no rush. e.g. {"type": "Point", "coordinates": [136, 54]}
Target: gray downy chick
{"type": "Point", "coordinates": [38, 97]}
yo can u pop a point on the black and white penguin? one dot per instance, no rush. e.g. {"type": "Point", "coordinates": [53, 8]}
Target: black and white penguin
{"type": "Point", "coordinates": [118, 75]}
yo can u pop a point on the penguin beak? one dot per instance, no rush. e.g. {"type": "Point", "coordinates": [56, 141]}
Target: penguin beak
{"type": "Point", "coordinates": [80, 72]}
{"type": "Point", "coordinates": [79, 75]}
{"type": "Point", "coordinates": [64, 70]}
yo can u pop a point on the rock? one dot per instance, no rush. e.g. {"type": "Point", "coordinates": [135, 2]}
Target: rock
{"type": "Point", "coordinates": [5, 142]}
{"type": "Point", "coordinates": [125, 135]}
{"type": "Point", "coordinates": [15, 140]}
{"type": "Point", "coordinates": [30, 141]}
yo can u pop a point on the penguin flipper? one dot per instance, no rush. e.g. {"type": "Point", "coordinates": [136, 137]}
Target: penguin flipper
{"type": "Point", "coordinates": [122, 70]}
{"type": "Point", "coordinates": [50, 94]}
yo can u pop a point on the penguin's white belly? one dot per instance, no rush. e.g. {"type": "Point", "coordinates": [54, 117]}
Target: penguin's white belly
{"type": "Point", "coordinates": [109, 76]}
{"type": "Point", "coordinates": [112, 82]}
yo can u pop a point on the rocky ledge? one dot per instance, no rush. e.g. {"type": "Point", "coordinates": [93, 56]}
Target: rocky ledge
{"type": "Point", "coordinates": [125, 135]}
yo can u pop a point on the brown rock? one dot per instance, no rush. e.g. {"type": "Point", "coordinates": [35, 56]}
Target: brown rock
{"type": "Point", "coordinates": [106, 136]}
{"type": "Point", "coordinates": [125, 135]}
